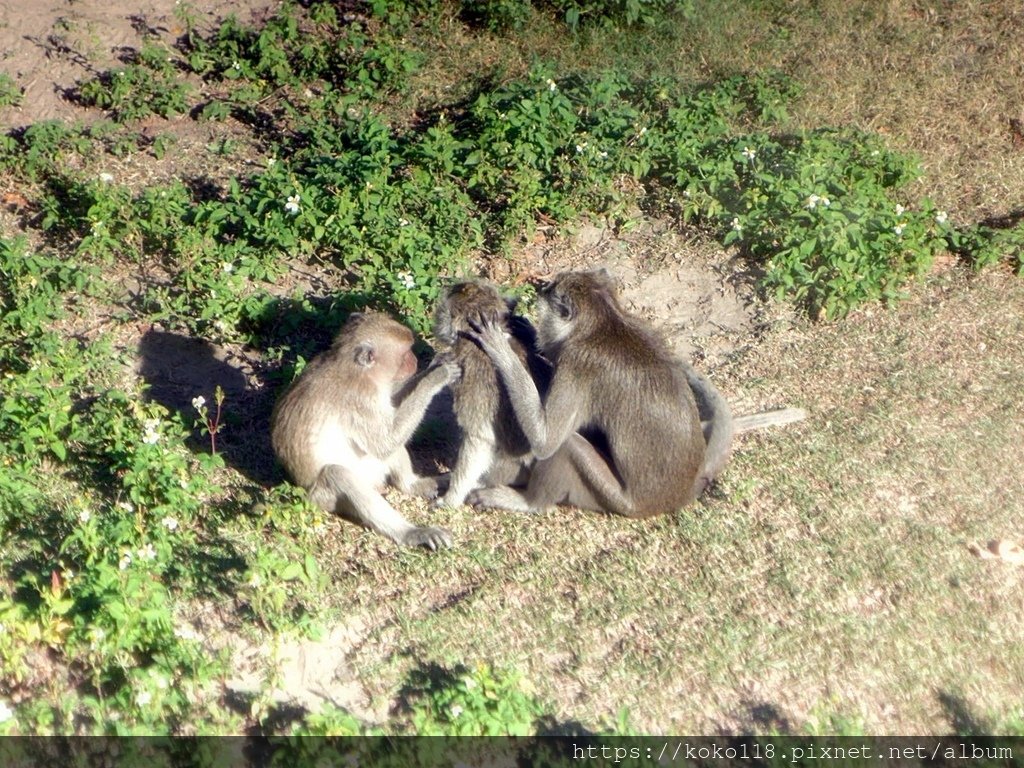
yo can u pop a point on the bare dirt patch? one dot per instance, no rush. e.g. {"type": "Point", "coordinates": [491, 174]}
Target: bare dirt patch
{"type": "Point", "coordinates": [49, 46]}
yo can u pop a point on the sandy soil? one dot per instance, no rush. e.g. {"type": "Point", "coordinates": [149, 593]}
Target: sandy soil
{"type": "Point", "coordinates": [49, 45]}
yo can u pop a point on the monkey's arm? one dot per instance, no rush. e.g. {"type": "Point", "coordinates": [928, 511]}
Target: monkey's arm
{"type": "Point", "coordinates": [545, 428]}
{"type": "Point", "coordinates": [413, 404]}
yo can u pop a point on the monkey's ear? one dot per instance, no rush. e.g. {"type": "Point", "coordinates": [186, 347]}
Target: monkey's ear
{"type": "Point", "coordinates": [603, 276]}
{"type": "Point", "coordinates": [364, 354]}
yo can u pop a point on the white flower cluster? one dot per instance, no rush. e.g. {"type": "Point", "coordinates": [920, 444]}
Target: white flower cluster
{"type": "Point", "coordinates": [151, 431]}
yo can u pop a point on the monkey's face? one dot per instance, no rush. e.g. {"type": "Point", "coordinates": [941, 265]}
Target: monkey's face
{"type": "Point", "coordinates": [555, 312]}
{"type": "Point", "coordinates": [406, 367]}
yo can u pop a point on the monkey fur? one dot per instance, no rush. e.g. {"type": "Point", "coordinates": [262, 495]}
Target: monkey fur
{"type": "Point", "coordinates": [493, 449]}
{"type": "Point", "coordinates": [340, 428]}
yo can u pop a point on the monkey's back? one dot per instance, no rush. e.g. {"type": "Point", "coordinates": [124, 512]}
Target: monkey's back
{"type": "Point", "coordinates": [635, 393]}
{"type": "Point", "coordinates": [318, 408]}
{"type": "Point", "coordinates": [481, 402]}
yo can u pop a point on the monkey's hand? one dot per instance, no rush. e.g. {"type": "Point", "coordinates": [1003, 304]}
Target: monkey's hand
{"type": "Point", "coordinates": [493, 339]}
{"type": "Point", "coordinates": [448, 365]}
{"type": "Point", "coordinates": [431, 538]}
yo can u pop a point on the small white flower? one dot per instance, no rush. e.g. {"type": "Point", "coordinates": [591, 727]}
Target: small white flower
{"type": "Point", "coordinates": [142, 698]}
{"type": "Point", "coordinates": [403, 222]}
{"type": "Point", "coordinates": [151, 438]}
{"type": "Point", "coordinates": [6, 713]}
{"type": "Point", "coordinates": [106, 178]}
{"type": "Point", "coordinates": [236, 66]}
{"type": "Point", "coordinates": [602, 154]}
{"type": "Point", "coordinates": [147, 553]}
{"type": "Point", "coordinates": [551, 85]}
{"type": "Point", "coordinates": [127, 506]}
{"type": "Point", "coordinates": [69, 575]}
{"type": "Point", "coordinates": [899, 209]}
{"type": "Point", "coordinates": [749, 153]}
{"type": "Point", "coordinates": [643, 130]}
{"type": "Point", "coordinates": [84, 516]}
{"type": "Point", "coordinates": [579, 149]}
{"type": "Point", "coordinates": [812, 201]}
{"type": "Point", "coordinates": [169, 523]}
{"type": "Point", "coordinates": [151, 433]}
{"type": "Point", "coordinates": [898, 229]}
{"type": "Point", "coordinates": [292, 206]}
{"type": "Point", "coordinates": [271, 161]}
{"type": "Point", "coordinates": [736, 225]}
{"type": "Point", "coordinates": [126, 560]}
{"type": "Point", "coordinates": [186, 633]}
{"type": "Point", "coordinates": [469, 682]}
{"type": "Point", "coordinates": [941, 217]}
{"type": "Point", "coordinates": [198, 402]}
{"type": "Point", "coordinates": [826, 202]}
{"type": "Point", "coordinates": [456, 710]}
{"type": "Point", "coordinates": [255, 581]}
{"type": "Point", "coordinates": [97, 228]}
{"type": "Point", "coordinates": [227, 267]}
{"type": "Point", "coordinates": [407, 280]}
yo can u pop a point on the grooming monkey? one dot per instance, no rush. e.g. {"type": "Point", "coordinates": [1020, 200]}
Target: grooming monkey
{"type": "Point", "coordinates": [340, 429]}
{"type": "Point", "coordinates": [620, 430]}
{"type": "Point", "coordinates": [494, 450]}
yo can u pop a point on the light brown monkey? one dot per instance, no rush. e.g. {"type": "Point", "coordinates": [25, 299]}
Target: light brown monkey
{"type": "Point", "coordinates": [620, 430]}
{"type": "Point", "coordinates": [340, 429]}
{"type": "Point", "coordinates": [493, 450]}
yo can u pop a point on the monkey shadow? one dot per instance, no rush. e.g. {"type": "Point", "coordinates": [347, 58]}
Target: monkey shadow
{"type": "Point", "coordinates": [178, 369]}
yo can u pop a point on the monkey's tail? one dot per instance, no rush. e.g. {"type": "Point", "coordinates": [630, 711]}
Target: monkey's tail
{"type": "Point", "coordinates": [768, 419]}
{"type": "Point", "coordinates": [716, 420]}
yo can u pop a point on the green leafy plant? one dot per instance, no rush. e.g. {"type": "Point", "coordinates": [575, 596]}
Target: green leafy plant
{"type": "Point", "coordinates": [10, 93]}
{"type": "Point", "coordinates": [480, 702]}
{"type": "Point", "coordinates": [149, 85]}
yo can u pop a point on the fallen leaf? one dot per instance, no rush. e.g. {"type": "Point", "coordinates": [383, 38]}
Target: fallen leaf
{"type": "Point", "coordinates": [999, 549]}
{"type": "Point", "coordinates": [14, 200]}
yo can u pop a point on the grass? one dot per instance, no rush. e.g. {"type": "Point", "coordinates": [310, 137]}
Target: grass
{"type": "Point", "coordinates": [825, 584]}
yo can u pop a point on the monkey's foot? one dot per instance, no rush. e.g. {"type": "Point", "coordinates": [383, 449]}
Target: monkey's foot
{"type": "Point", "coordinates": [501, 497]}
{"type": "Point", "coordinates": [431, 538]}
{"type": "Point", "coordinates": [447, 502]}
{"type": "Point", "coordinates": [426, 487]}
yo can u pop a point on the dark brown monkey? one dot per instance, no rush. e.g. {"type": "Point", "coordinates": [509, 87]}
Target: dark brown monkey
{"type": "Point", "coordinates": [494, 451]}
{"type": "Point", "coordinates": [620, 430]}
{"type": "Point", "coordinates": [340, 429]}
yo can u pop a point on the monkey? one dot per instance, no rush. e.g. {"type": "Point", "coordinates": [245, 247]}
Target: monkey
{"type": "Point", "coordinates": [620, 430]}
{"type": "Point", "coordinates": [340, 429]}
{"type": "Point", "coordinates": [493, 451]}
